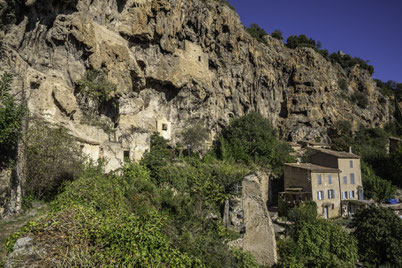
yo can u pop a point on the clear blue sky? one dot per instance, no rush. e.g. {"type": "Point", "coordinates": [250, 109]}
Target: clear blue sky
{"type": "Point", "coordinates": [369, 29]}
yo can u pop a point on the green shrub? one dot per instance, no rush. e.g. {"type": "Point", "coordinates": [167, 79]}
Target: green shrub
{"type": "Point", "coordinates": [343, 84]}
{"type": "Point", "coordinates": [347, 61]}
{"type": "Point", "coordinates": [327, 244]}
{"type": "Point", "coordinates": [374, 186]}
{"type": "Point", "coordinates": [360, 99]}
{"type": "Point", "coordinates": [11, 115]}
{"type": "Point", "coordinates": [305, 213]}
{"type": "Point", "coordinates": [252, 139]}
{"type": "Point", "coordinates": [95, 86]}
{"type": "Point", "coordinates": [379, 236]}
{"type": "Point", "coordinates": [277, 35]}
{"type": "Point", "coordinates": [319, 244]}
{"type": "Point", "coordinates": [195, 135]}
{"type": "Point", "coordinates": [294, 41]}
{"type": "Point", "coordinates": [52, 158]}
{"type": "Point", "coordinates": [257, 32]}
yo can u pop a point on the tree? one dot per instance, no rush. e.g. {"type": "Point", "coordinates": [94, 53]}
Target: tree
{"type": "Point", "coordinates": [379, 236]}
{"type": "Point", "coordinates": [300, 215]}
{"type": "Point", "coordinates": [252, 138]}
{"type": "Point", "coordinates": [325, 244]}
{"type": "Point", "coordinates": [53, 158]}
{"type": "Point", "coordinates": [319, 244]}
{"type": "Point", "coordinates": [277, 34]}
{"type": "Point", "coordinates": [374, 186]}
{"type": "Point", "coordinates": [11, 114]}
{"type": "Point", "coordinates": [257, 32]}
{"type": "Point", "coordinates": [195, 135]}
{"type": "Point", "coordinates": [294, 41]}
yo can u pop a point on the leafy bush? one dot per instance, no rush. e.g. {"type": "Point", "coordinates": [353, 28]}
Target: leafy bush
{"type": "Point", "coordinates": [374, 186]}
{"type": "Point", "coordinates": [95, 86]}
{"type": "Point", "coordinates": [277, 35]}
{"type": "Point", "coordinates": [319, 244]}
{"type": "Point", "coordinates": [11, 114]}
{"type": "Point", "coordinates": [252, 138]}
{"type": "Point", "coordinates": [300, 215]}
{"type": "Point", "coordinates": [195, 135]}
{"type": "Point", "coordinates": [343, 84]}
{"type": "Point", "coordinates": [360, 99]}
{"type": "Point", "coordinates": [326, 244]}
{"type": "Point", "coordinates": [52, 158]}
{"type": "Point", "coordinates": [347, 61]}
{"type": "Point", "coordinates": [257, 32]}
{"type": "Point", "coordinates": [379, 236]}
{"type": "Point", "coordinates": [294, 41]}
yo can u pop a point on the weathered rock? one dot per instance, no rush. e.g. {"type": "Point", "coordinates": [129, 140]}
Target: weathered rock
{"type": "Point", "coordinates": [173, 62]}
{"type": "Point", "coordinates": [259, 237]}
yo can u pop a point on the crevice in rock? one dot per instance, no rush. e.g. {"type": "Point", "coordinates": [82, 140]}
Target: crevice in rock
{"type": "Point", "coordinates": [165, 87]}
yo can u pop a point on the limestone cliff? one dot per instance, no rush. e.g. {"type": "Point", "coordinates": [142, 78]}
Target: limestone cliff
{"type": "Point", "coordinates": [174, 62]}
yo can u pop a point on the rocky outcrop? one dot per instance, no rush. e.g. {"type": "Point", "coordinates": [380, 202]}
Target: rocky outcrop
{"type": "Point", "coordinates": [259, 236]}
{"type": "Point", "coordinates": [173, 63]}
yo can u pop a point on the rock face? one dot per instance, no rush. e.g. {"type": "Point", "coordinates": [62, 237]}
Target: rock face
{"type": "Point", "coordinates": [259, 236]}
{"type": "Point", "coordinates": [173, 63]}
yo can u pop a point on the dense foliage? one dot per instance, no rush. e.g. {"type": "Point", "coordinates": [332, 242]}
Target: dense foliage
{"type": "Point", "coordinates": [252, 139]}
{"type": "Point", "coordinates": [257, 32]}
{"type": "Point", "coordinates": [374, 186]}
{"type": "Point", "coordinates": [347, 61]}
{"type": "Point", "coordinates": [195, 135]}
{"type": "Point", "coordinates": [316, 242]}
{"type": "Point", "coordinates": [52, 158]}
{"type": "Point", "coordinates": [11, 114]}
{"type": "Point", "coordinates": [96, 87]}
{"type": "Point", "coordinates": [277, 35]}
{"type": "Point", "coordinates": [378, 232]}
{"type": "Point", "coordinates": [360, 98]}
{"type": "Point", "coordinates": [128, 218]}
{"type": "Point", "coordinates": [390, 88]}
{"type": "Point", "coordinates": [378, 167]}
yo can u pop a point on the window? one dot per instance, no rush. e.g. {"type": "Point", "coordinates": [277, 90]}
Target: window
{"type": "Point", "coordinates": [352, 194]}
{"type": "Point", "coordinates": [320, 195]}
{"type": "Point", "coordinates": [344, 195]}
{"type": "Point", "coordinates": [345, 180]}
{"type": "Point", "coordinates": [352, 178]}
{"type": "Point", "coordinates": [126, 155]}
{"type": "Point", "coordinates": [164, 127]}
{"type": "Point", "coordinates": [351, 163]}
{"type": "Point", "coordinates": [330, 179]}
{"type": "Point", "coordinates": [333, 206]}
{"type": "Point", "coordinates": [331, 194]}
{"type": "Point", "coordinates": [319, 179]}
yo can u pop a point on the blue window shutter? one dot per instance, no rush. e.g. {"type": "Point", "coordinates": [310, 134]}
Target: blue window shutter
{"type": "Point", "coordinates": [329, 179]}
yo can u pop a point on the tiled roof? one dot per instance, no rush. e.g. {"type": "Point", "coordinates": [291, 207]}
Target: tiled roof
{"type": "Point", "coordinates": [335, 153]}
{"type": "Point", "coordinates": [313, 168]}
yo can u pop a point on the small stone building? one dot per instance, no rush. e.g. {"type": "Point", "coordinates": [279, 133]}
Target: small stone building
{"type": "Point", "coordinates": [318, 183]}
{"type": "Point", "coordinates": [332, 179]}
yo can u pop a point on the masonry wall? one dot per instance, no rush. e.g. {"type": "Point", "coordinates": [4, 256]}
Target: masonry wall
{"type": "Point", "coordinates": [297, 177]}
{"type": "Point", "coordinates": [324, 160]}
{"type": "Point", "coordinates": [333, 203]}
{"type": "Point", "coordinates": [346, 171]}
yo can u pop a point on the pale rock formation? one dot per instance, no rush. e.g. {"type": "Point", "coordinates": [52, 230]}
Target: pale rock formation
{"type": "Point", "coordinates": [259, 236]}
{"type": "Point", "coordinates": [180, 61]}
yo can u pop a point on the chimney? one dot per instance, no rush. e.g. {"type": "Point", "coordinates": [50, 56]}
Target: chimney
{"type": "Point", "coordinates": [350, 149]}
